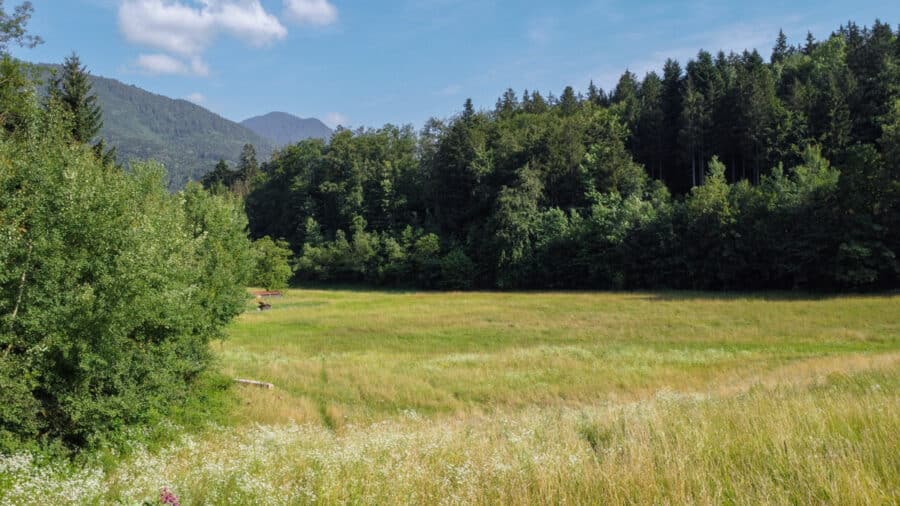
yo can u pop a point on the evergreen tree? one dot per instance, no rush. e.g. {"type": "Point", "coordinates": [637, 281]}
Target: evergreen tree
{"type": "Point", "coordinates": [672, 105]}
{"type": "Point", "coordinates": [72, 88]}
{"type": "Point", "coordinates": [810, 44]}
{"type": "Point", "coordinates": [625, 99]}
{"type": "Point", "coordinates": [781, 49]}
{"type": "Point", "coordinates": [568, 102]}
{"type": "Point", "coordinates": [248, 167]}
{"type": "Point", "coordinates": [648, 136]}
{"type": "Point", "coordinates": [594, 93]}
{"type": "Point", "coordinates": [220, 178]}
{"type": "Point", "coordinates": [537, 104]}
{"type": "Point", "coordinates": [507, 104]}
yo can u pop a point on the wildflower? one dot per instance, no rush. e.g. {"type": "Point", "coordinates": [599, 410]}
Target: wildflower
{"type": "Point", "coordinates": [167, 497]}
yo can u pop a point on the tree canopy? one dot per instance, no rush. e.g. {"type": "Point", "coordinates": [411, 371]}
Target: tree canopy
{"type": "Point", "coordinates": [725, 172]}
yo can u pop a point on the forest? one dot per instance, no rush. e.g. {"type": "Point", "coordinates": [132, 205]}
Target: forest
{"type": "Point", "coordinates": [727, 173]}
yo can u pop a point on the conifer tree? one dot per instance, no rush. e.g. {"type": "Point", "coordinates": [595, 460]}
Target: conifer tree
{"type": "Point", "coordinates": [72, 88]}
{"type": "Point", "coordinates": [810, 44]}
{"type": "Point", "coordinates": [780, 51]}
{"type": "Point", "coordinates": [568, 102]}
{"type": "Point", "coordinates": [248, 168]}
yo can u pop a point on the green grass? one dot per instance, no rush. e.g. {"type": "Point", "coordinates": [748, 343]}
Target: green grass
{"type": "Point", "coordinates": [371, 355]}
{"type": "Point", "coordinates": [521, 398]}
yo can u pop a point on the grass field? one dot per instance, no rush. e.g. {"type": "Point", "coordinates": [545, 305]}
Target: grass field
{"type": "Point", "coordinates": [586, 398]}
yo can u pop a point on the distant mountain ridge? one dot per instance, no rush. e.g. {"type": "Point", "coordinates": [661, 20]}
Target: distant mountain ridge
{"type": "Point", "coordinates": [187, 138]}
{"type": "Point", "coordinates": [282, 129]}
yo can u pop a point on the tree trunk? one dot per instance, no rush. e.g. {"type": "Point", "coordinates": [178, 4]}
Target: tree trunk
{"type": "Point", "coordinates": [15, 311]}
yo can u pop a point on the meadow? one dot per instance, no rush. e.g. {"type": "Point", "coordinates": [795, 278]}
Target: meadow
{"type": "Point", "coordinates": [485, 398]}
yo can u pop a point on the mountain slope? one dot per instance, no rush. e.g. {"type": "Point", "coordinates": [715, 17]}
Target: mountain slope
{"type": "Point", "coordinates": [282, 129]}
{"type": "Point", "coordinates": [185, 137]}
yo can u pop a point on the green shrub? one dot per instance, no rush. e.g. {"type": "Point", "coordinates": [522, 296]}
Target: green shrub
{"type": "Point", "coordinates": [457, 271]}
{"type": "Point", "coordinates": [110, 289]}
{"type": "Point", "coordinates": [273, 263]}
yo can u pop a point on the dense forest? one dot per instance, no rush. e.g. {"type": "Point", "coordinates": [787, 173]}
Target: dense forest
{"type": "Point", "coordinates": [730, 172]}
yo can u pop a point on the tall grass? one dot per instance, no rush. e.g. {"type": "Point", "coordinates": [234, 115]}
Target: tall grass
{"type": "Point", "coordinates": [358, 356]}
{"type": "Point", "coordinates": [835, 442]}
{"type": "Point", "coordinates": [531, 399]}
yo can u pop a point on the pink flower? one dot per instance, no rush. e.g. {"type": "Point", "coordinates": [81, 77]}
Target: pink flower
{"type": "Point", "coordinates": [167, 497]}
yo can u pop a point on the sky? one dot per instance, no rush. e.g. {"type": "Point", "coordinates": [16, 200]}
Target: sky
{"type": "Point", "coordinates": [366, 63]}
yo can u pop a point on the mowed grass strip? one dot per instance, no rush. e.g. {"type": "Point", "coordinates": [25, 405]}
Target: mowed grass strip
{"type": "Point", "coordinates": [345, 356]}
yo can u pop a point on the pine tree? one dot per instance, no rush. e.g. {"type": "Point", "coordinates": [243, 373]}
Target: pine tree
{"type": "Point", "coordinates": [106, 156]}
{"type": "Point", "coordinates": [781, 49]}
{"type": "Point", "coordinates": [647, 139]}
{"type": "Point", "coordinates": [625, 99]}
{"type": "Point", "coordinates": [220, 178]}
{"type": "Point", "coordinates": [568, 102]}
{"type": "Point", "coordinates": [248, 167]}
{"type": "Point", "coordinates": [72, 88]}
{"type": "Point", "coordinates": [593, 93]}
{"type": "Point", "coordinates": [672, 105]}
{"type": "Point", "coordinates": [507, 104]}
{"type": "Point", "coordinates": [468, 111]}
{"type": "Point", "coordinates": [810, 44]}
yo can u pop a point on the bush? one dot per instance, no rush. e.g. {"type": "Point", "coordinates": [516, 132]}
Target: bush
{"type": "Point", "coordinates": [457, 271]}
{"type": "Point", "coordinates": [273, 263]}
{"type": "Point", "coordinates": [110, 289]}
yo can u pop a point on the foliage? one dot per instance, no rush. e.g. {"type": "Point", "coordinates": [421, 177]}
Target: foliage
{"type": "Point", "coordinates": [273, 263]}
{"type": "Point", "coordinates": [72, 88]}
{"type": "Point", "coordinates": [647, 397]}
{"type": "Point", "coordinates": [110, 291]}
{"type": "Point", "coordinates": [780, 174]}
{"type": "Point", "coordinates": [13, 27]}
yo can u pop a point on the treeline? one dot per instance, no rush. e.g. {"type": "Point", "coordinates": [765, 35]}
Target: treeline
{"type": "Point", "coordinates": [735, 173]}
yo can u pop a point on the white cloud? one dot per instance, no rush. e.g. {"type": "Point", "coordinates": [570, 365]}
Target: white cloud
{"type": "Point", "coordinates": [313, 12]}
{"type": "Point", "coordinates": [188, 29]}
{"type": "Point", "coordinates": [197, 98]}
{"type": "Point", "coordinates": [335, 119]}
{"type": "Point", "coordinates": [163, 64]}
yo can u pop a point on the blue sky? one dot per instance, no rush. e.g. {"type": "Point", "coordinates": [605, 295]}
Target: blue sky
{"type": "Point", "coordinates": [366, 63]}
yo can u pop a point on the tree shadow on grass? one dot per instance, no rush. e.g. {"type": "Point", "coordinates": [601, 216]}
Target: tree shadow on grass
{"type": "Point", "coordinates": [773, 296]}
{"type": "Point", "coordinates": [653, 295]}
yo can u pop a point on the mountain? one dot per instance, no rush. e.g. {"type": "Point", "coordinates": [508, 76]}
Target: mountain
{"type": "Point", "coordinates": [281, 128]}
{"type": "Point", "coordinates": [185, 137]}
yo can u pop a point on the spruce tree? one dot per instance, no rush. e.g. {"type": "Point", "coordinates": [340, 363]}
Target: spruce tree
{"type": "Point", "coordinates": [810, 44]}
{"type": "Point", "coordinates": [248, 168]}
{"type": "Point", "coordinates": [568, 102]}
{"type": "Point", "coordinates": [72, 88]}
{"type": "Point", "coordinates": [780, 51]}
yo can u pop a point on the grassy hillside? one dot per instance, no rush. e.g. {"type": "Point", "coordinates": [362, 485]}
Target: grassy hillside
{"type": "Point", "coordinates": [185, 137]}
{"type": "Point", "coordinates": [585, 398]}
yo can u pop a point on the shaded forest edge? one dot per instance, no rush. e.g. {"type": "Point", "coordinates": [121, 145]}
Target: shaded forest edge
{"type": "Point", "coordinates": [730, 173]}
